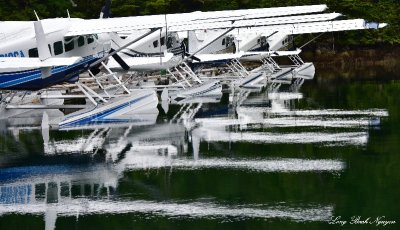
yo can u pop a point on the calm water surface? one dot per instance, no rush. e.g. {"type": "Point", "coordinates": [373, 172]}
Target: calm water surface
{"type": "Point", "coordinates": [287, 157]}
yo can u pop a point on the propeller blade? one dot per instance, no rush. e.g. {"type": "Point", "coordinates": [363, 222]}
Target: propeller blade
{"type": "Point", "coordinates": [120, 61]}
{"type": "Point", "coordinates": [196, 58]}
{"type": "Point", "coordinates": [192, 57]}
{"type": "Point", "coordinates": [105, 11]}
{"type": "Point", "coordinates": [123, 47]}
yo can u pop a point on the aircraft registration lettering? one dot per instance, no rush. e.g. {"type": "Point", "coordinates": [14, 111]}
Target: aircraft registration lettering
{"type": "Point", "coordinates": [13, 54]}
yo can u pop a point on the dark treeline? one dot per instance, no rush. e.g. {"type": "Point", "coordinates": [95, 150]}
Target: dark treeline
{"type": "Point", "coordinates": [372, 10]}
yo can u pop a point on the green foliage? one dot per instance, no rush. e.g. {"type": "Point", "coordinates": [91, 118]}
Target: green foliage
{"type": "Point", "coordinates": [382, 11]}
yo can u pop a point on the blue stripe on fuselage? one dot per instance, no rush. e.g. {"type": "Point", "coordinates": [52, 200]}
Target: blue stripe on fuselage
{"type": "Point", "coordinates": [32, 79]}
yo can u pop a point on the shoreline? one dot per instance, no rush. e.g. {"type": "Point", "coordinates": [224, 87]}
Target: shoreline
{"type": "Point", "coordinates": [354, 58]}
{"type": "Point", "coordinates": [356, 63]}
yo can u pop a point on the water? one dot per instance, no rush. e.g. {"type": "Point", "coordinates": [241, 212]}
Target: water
{"type": "Point", "coordinates": [288, 157]}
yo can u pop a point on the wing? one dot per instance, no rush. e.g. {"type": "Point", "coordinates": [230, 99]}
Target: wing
{"type": "Point", "coordinates": [188, 21]}
{"type": "Point", "coordinates": [317, 27]}
{"type": "Point", "coordinates": [246, 23]}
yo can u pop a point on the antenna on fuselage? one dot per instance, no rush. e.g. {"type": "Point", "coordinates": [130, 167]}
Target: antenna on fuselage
{"type": "Point", "coordinates": [37, 17]}
{"type": "Point", "coordinates": [69, 16]}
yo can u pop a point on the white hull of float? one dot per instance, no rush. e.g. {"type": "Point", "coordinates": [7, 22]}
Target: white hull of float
{"type": "Point", "coordinates": [136, 102]}
{"type": "Point", "coordinates": [134, 118]}
{"type": "Point", "coordinates": [206, 89]}
{"type": "Point", "coordinates": [305, 71]}
{"type": "Point", "coordinates": [252, 81]}
{"type": "Point", "coordinates": [283, 74]}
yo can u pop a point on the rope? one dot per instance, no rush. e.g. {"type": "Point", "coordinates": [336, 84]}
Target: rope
{"type": "Point", "coordinates": [312, 40]}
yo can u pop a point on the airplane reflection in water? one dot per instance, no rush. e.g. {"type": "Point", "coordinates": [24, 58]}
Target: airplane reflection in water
{"type": "Point", "coordinates": [84, 189]}
{"type": "Point", "coordinates": [74, 190]}
{"type": "Point", "coordinates": [65, 190]}
{"type": "Point", "coordinates": [276, 111]}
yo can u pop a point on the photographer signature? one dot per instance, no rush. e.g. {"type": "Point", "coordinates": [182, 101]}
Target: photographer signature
{"type": "Point", "coordinates": [358, 220]}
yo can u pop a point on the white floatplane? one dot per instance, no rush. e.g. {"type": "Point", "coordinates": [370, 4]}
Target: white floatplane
{"type": "Point", "coordinates": [264, 43]}
{"type": "Point", "coordinates": [37, 55]}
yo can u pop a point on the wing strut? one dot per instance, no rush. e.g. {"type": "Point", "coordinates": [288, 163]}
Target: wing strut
{"type": "Point", "coordinates": [124, 46]}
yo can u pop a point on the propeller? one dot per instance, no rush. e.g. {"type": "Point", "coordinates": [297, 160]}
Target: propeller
{"type": "Point", "coordinates": [114, 52]}
{"type": "Point", "coordinates": [119, 60]}
{"type": "Point", "coordinates": [106, 10]}
{"type": "Point", "coordinates": [190, 56]}
{"type": "Point", "coordinates": [106, 13]}
{"type": "Point", "coordinates": [264, 45]}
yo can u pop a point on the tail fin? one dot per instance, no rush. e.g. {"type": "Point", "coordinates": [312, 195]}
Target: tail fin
{"type": "Point", "coordinates": [43, 49]}
{"type": "Point", "coordinates": [116, 41]}
{"type": "Point", "coordinates": [106, 10]}
{"type": "Point", "coordinates": [193, 42]}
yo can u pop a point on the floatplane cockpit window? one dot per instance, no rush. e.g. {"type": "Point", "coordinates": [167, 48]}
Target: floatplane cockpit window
{"type": "Point", "coordinates": [155, 44]}
{"type": "Point", "coordinates": [162, 41]}
{"type": "Point", "coordinates": [223, 41]}
{"type": "Point", "coordinates": [33, 53]}
{"type": "Point", "coordinates": [90, 39]}
{"type": "Point", "coordinates": [58, 48]}
{"type": "Point", "coordinates": [81, 41]}
{"type": "Point", "coordinates": [69, 44]}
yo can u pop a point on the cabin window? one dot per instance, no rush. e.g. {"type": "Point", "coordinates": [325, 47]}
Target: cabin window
{"type": "Point", "coordinates": [90, 39]}
{"type": "Point", "coordinates": [33, 53]}
{"type": "Point", "coordinates": [68, 44]}
{"type": "Point", "coordinates": [223, 41]}
{"type": "Point", "coordinates": [162, 41]}
{"type": "Point", "coordinates": [58, 48]}
{"type": "Point", "coordinates": [155, 44]}
{"type": "Point", "coordinates": [81, 41]}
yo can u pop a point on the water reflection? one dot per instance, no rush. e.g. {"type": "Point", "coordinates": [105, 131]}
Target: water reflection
{"type": "Point", "coordinates": [179, 142]}
{"type": "Point", "coordinates": [176, 210]}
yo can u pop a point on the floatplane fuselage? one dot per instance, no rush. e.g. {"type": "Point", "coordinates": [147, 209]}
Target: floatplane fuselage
{"type": "Point", "coordinates": [45, 55]}
{"type": "Point", "coordinates": [19, 40]}
{"type": "Point", "coordinates": [160, 50]}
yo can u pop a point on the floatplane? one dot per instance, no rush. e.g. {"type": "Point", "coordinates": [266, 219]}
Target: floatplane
{"type": "Point", "coordinates": [47, 57]}
{"type": "Point", "coordinates": [41, 54]}
{"type": "Point", "coordinates": [264, 43]}
{"type": "Point", "coordinates": [165, 50]}
{"type": "Point", "coordinates": [38, 55]}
